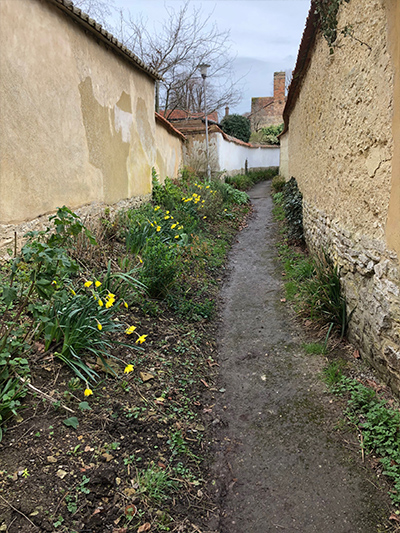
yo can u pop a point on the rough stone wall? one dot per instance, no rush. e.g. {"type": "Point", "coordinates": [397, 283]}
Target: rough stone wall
{"type": "Point", "coordinates": [341, 152]}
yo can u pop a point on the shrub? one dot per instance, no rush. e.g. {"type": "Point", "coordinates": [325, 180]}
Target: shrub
{"type": "Point", "coordinates": [293, 208]}
{"type": "Point", "coordinates": [237, 126]}
{"type": "Point", "coordinates": [278, 183]}
{"type": "Point", "coordinates": [160, 267]}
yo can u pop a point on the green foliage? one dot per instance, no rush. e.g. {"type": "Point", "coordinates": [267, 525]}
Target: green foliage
{"type": "Point", "coordinates": [160, 268]}
{"type": "Point", "coordinates": [315, 348]}
{"type": "Point", "coordinates": [155, 484]}
{"type": "Point", "coordinates": [313, 283]}
{"type": "Point", "coordinates": [378, 422]}
{"type": "Point", "coordinates": [267, 135]}
{"type": "Point", "coordinates": [293, 207]}
{"type": "Point", "coordinates": [278, 183]}
{"type": "Point", "coordinates": [237, 126]}
{"type": "Point", "coordinates": [327, 11]}
{"type": "Point", "coordinates": [245, 181]}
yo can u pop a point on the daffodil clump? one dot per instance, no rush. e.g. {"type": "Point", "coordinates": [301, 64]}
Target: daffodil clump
{"type": "Point", "coordinates": [79, 324]}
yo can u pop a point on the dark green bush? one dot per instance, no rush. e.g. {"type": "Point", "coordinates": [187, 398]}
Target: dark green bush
{"type": "Point", "coordinates": [237, 126]}
{"type": "Point", "coordinates": [293, 208]}
{"type": "Point", "coordinates": [160, 268]}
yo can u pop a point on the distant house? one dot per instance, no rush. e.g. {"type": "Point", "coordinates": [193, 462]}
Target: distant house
{"type": "Point", "coordinates": [268, 110]}
{"type": "Point", "coordinates": [342, 144]}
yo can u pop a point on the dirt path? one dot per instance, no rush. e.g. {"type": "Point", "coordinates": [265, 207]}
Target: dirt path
{"type": "Point", "coordinates": [278, 465]}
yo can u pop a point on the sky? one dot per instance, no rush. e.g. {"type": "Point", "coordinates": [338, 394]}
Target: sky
{"type": "Point", "coordinates": [265, 36]}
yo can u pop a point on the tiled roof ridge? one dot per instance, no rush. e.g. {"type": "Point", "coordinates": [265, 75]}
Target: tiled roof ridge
{"type": "Point", "coordinates": [86, 21]}
{"type": "Point", "coordinates": [303, 60]}
{"type": "Point", "coordinates": [166, 123]}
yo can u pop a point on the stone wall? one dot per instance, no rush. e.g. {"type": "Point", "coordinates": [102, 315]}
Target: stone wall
{"type": "Point", "coordinates": [342, 153]}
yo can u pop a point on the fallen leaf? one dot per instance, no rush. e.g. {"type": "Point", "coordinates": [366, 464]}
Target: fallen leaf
{"type": "Point", "coordinates": [204, 383]}
{"type": "Point", "coordinates": [356, 354]}
{"type": "Point", "coordinates": [394, 516]}
{"type": "Point", "coordinates": [120, 530]}
{"type": "Point", "coordinates": [107, 456]}
{"type": "Point", "coordinates": [283, 300]}
{"type": "Point", "coordinates": [71, 422]}
{"type": "Point", "coordinates": [146, 376]}
{"type": "Point", "coordinates": [161, 465]}
{"type": "Point", "coordinates": [129, 492]}
{"type": "Point", "coordinates": [144, 527]}
{"type": "Point", "coordinates": [130, 511]}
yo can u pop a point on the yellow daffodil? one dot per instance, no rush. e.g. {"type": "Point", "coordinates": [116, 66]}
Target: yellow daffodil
{"type": "Point", "coordinates": [173, 226]}
{"type": "Point", "coordinates": [204, 217]}
{"type": "Point", "coordinates": [88, 283]}
{"type": "Point", "coordinates": [109, 304]}
{"type": "Point", "coordinates": [140, 260]}
{"type": "Point", "coordinates": [73, 292]}
{"type": "Point", "coordinates": [158, 228]}
{"type": "Point", "coordinates": [100, 302]}
{"type": "Point", "coordinates": [97, 283]}
{"type": "Point", "coordinates": [126, 305]}
{"type": "Point", "coordinates": [180, 227]}
{"type": "Point", "coordinates": [130, 330]}
{"type": "Point", "coordinates": [166, 217]}
{"type": "Point", "coordinates": [54, 282]}
{"type": "Point", "coordinates": [99, 326]}
{"type": "Point", "coordinates": [88, 392]}
{"type": "Point", "coordinates": [176, 237]}
{"type": "Point", "coordinates": [128, 369]}
{"type": "Point", "coordinates": [141, 339]}
{"type": "Point", "coordinates": [157, 207]}
{"type": "Point", "coordinates": [207, 186]}
{"type": "Point", "coordinates": [167, 212]}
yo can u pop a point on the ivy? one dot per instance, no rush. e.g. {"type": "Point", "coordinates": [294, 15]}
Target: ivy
{"type": "Point", "coordinates": [327, 11]}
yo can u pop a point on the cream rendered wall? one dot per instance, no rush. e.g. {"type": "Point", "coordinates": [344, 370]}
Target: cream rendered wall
{"type": "Point", "coordinates": [169, 158]}
{"type": "Point", "coordinates": [232, 156]}
{"type": "Point", "coordinates": [77, 121]}
{"type": "Point", "coordinates": [341, 152]}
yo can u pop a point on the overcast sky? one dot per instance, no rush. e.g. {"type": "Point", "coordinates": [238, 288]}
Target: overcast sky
{"type": "Point", "coordinates": [265, 35]}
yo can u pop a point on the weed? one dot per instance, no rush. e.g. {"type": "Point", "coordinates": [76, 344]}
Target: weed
{"type": "Point", "coordinates": [315, 348]}
{"type": "Point", "coordinates": [155, 484]}
{"type": "Point", "coordinates": [378, 422]}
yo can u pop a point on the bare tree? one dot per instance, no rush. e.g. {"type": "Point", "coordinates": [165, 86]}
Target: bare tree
{"type": "Point", "coordinates": [100, 10]}
{"type": "Point", "coordinates": [288, 79]}
{"type": "Point", "coordinates": [176, 48]}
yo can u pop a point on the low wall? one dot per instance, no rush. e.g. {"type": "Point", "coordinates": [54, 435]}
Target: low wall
{"type": "Point", "coordinates": [227, 154]}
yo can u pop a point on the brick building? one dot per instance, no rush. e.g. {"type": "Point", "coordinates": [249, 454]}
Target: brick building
{"type": "Point", "coordinates": [268, 110]}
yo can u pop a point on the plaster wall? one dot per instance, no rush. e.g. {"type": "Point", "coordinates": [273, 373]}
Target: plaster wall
{"type": "Point", "coordinates": [228, 156]}
{"type": "Point", "coordinates": [169, 155]}
{"type": "Point", "coordinates": [77, 120]}
{"type": "Point", "coordinates": [342, 153]}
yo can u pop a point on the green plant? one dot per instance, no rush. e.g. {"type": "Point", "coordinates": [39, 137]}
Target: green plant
{"type": "Point", "coordinates": [155, 484]}
{"type": "Point", "coordinates": [315, 348]}
{"type": "Point", "coordinates": [237, 126]}
{"type": "Point", "coordinates": [278, 183]}
{"type": "Point", "coordinates": [160, 268]}
{"type": "Point", "coordinates": [327, 11]}
{"type": "Point", "coordinates": [267, 135]}
{"type": "Point", "coordinates": [378, 422]}
{"type": "Point", "coordinates": [293, 208]}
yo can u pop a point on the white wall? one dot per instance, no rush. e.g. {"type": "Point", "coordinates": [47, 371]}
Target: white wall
{"type": "Point", "coordinates": [232, 156]}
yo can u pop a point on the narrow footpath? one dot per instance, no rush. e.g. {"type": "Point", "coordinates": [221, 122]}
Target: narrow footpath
{"type": "Point", "coordinates": [278, 464]}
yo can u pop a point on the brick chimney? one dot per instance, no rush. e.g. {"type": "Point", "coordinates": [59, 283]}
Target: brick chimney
{"type": "Point", "coordinates": [279, 86]}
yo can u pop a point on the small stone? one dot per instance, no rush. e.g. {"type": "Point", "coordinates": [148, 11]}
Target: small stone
{"type": "Point", "coordinates": [51, 459]}
{"type": "Point", "coordinates": [107, 456]}
{"type": "Point", "coordinates": [61, 473]}
{"type": "Point", "coordinates": [129, 492]}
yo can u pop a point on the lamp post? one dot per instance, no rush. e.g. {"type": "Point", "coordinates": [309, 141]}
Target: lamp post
{"type": "Point", "coordinates": [203, 71]}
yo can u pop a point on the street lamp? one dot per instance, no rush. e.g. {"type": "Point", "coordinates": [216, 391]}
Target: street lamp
{"type": "Point", "coordinates": [203, 71]}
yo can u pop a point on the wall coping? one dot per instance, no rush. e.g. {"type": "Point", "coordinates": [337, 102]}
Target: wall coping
{"type": "Point", "coordinates": [97, 29]}
{"type": "Point", "coordinates": [169, 127]}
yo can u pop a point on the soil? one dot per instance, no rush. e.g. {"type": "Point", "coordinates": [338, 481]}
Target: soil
{"type": "Point", "coordinates": [245, 427]}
